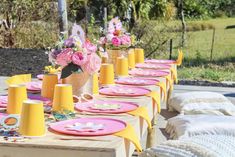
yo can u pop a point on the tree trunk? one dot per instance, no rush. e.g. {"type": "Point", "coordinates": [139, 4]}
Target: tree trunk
{"type": "Point", "coordinates": [63, 18]}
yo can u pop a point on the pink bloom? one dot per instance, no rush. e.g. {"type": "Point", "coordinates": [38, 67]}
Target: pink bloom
{"type": "Point", "coordinates": [103, 40]}
{"type": "Point", "coordinates": [93, 63]}
{"type": "Point", "coordinates": [64, 57]}
{"type": "Point", "coordinates": [91, 48]}
{"type": "Point", "coordinates": [126, 40]}
{"type": "Point", "coordinates": [79, 59]}
{"type": "Point", "coordinates": [116, 41]}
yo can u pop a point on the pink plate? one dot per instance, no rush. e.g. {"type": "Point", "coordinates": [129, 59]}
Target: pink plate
{"type": "Point", "coordinates": [137, 81]}
{"type": "Point", "coordinates": [124, 91]}
{"type": "Point", "coordinates": [89, 106]}
{"type": "Point", "coordinates": [3, 115]}
{"type": "Point", "coordinates": [160, 61]}
{"type": "Point", "coordinates": [148, 72]}
{"type": "Point", "coordinates": [152, 66]}
{"type": "Point", "coordinates": [45, 101]}
{"type": "Point", "coordinates": [3, 101]}
{"type": "Point", "coordinates": [110, 126]}
{"type": "Point", "coordinates": [34, 86]}
{"type": "Point", "coordinates": [40, 76]}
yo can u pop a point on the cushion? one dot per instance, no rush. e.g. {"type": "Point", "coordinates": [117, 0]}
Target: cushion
{"type": "Point", "coordinates": [183, 126]}
{"type": "Point", "coordinates": [202, 145]}
{"type": "Point", "coordinates": [201, 103]}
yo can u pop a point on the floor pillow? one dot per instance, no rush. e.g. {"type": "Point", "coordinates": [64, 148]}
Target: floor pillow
{"type": "Point", "coordinates": [183, 126]}
{"type": "Point", "coordinates": [197, 146]}
{"type": "Point", "coordinates": [201, 103]}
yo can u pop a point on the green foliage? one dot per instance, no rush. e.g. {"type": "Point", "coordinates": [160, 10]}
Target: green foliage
{"type": "Point", "coordinates": [207, 8]}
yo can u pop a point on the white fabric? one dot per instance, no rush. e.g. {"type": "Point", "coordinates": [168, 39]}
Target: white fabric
{"type": "Point", "coordinates": [183, 126]}
{"type": "Point", "coordinates": [197, 146]}
{"type": "Point", "coordinates": [202, 103]}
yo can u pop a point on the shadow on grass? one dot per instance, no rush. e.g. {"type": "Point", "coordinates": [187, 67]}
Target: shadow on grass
{"type": "Point", "coordinates": [187, 62]}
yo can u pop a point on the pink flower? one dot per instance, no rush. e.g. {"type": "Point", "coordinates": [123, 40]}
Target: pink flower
{"type": "Point", "coordinates": [126, 40]}
{"type": "Point", "coordinates": [116, 41]}
{"type": "Point", "coordinates": [103, 40]}
{"type": "Point", "coordinates": [93, 63]}
{"type": "Point", "coordinates": [64, 57]}
{"type": "Point", "coordinates": [91, 48]}
{"type": "Point", "coordinates": [79, 59]}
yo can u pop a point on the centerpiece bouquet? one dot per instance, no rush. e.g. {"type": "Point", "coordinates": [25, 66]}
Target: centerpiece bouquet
{"type": "Point", "coordinates": [116, 37]}
{"type": "Point", "coordinates": [77, 57]}
{"type": "Point", "coordinates": [116, 40]}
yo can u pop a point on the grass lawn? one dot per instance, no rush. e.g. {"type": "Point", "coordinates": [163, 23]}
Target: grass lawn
{"type": "Point", "coordinates": [197, 64]}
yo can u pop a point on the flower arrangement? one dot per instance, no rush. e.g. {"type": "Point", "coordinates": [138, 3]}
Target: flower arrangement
{"type": "Point", "coordinates": [116, 37]}
{"type": "Point", "coordinates": [75, 54]}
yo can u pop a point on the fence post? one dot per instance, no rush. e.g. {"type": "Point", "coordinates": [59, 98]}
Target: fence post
{"type": "Point", "coordinates": [212, 44]}
{"type": "Point", "coordinates": [63, 18]}
{"type": "Point", "coordinates": [171, 47]}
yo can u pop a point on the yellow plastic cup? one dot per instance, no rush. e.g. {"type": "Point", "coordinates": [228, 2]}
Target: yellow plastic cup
{"type": "Point", "coordinates": [122, 66]}
{"type": "Point", "coordinates": [63, 98]}
{"type": "Point", "coordinates": [106, 74]}
{"type": "Point", "coordinates": [48, 84]}
{"type": "Point", "coordinates": [32, 122]}
{"type": "Point", "coordinates": [95, 86]}
{"type": "Point", "coordinates": [131, 58]}
{"type": "Point", "coordinates": [139, 55]}
{"type": "Point", "coordinates": [16, 95]}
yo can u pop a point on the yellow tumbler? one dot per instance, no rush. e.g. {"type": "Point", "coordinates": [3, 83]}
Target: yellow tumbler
{"type": "Point", "coordinates": [122, 66]}
{"type": "Point", "coordinates": [16, 95]}
{"type": "Point", "coordinates": [63, 98]}
{"type": "Point", "coordinates": [139, 55]}
{"type": "Point", "coordinates": [32, 122]}
{"type": "Point", "coordinates": [106, 74]}
{"type": "Point", "coordinates": [131, 58]}
{"type": "Point", "coordinates": [48, 84]}
{"type": "Point", "coordinates": [95, 85]}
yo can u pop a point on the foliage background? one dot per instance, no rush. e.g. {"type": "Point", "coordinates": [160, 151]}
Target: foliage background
{"type": "Point", "coordinates": [34, 24]}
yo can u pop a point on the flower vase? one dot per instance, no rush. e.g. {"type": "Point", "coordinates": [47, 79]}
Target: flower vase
{"type": "Point", "coordinates": [81, 83]}
{"type": "Point", "coordinates": [113, 54]}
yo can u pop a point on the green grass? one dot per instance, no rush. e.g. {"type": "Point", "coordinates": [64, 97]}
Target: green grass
{"type": "Point", "coordinates": [197, 64]}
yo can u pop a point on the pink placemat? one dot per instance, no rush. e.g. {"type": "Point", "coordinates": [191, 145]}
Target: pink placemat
{"type": "Point", "coordinates": [110, 126]}
{"type": "Point", "coordinates": [137, 81]}
{"type": "Point", "coordinates": [152, 66]}
{"type": "Point", "coordinates": [124, 91]}
{"type": "Point", "coordinates": [148, 72]}
{"type": "Point", "coordinates": [4, 100]}
{"type": "Point", "coordinates": [34, 86]}
{"type": "Point", "coordinates": [160, 61]}
{"type": "Point", "coordinates": [122, 107]}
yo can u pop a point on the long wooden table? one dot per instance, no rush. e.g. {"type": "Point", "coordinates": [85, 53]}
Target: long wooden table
{"type": "Point", "coordinates": [51, 144]}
